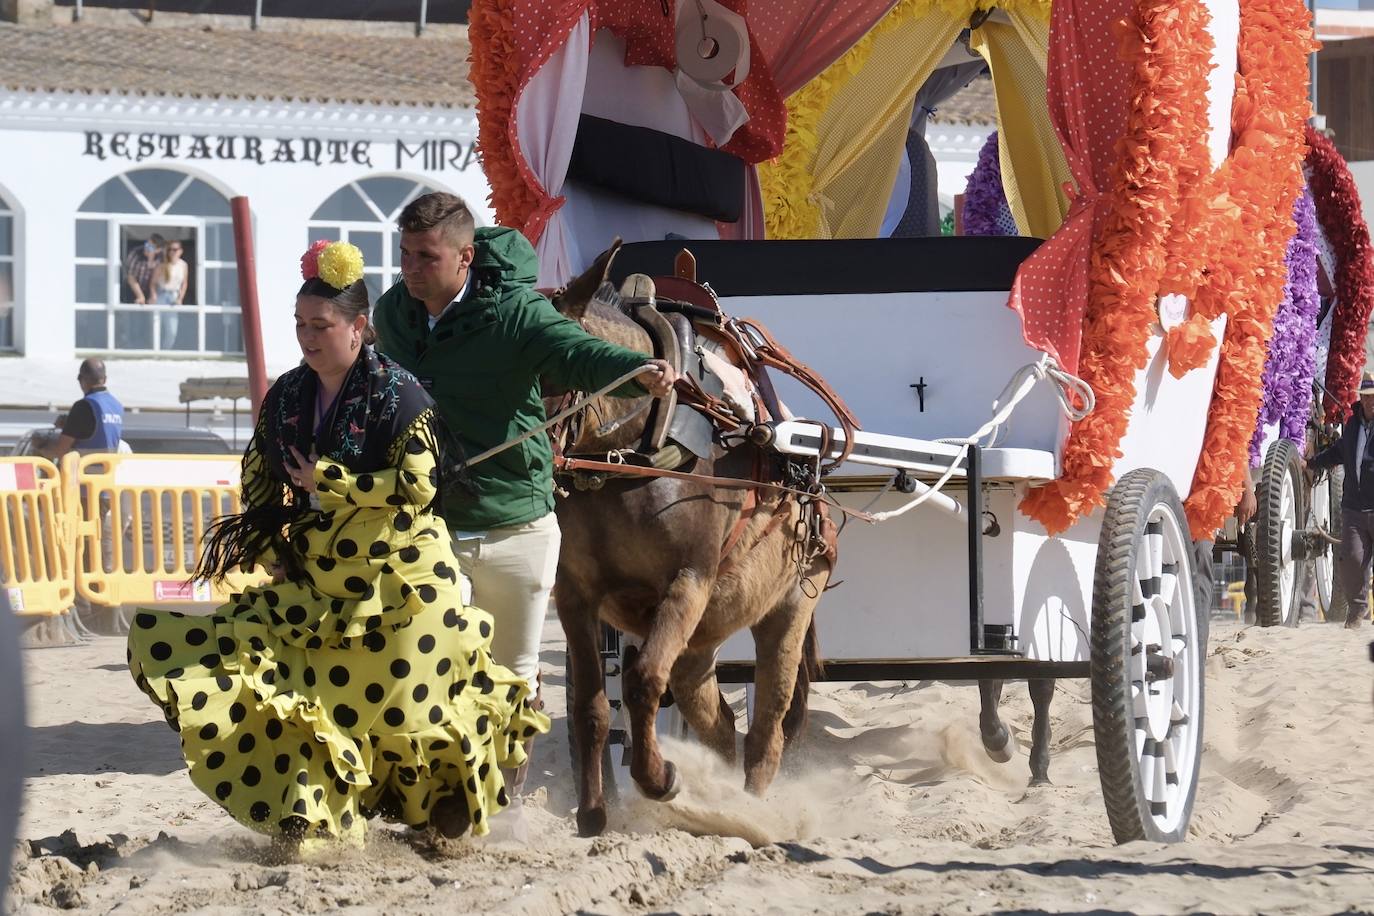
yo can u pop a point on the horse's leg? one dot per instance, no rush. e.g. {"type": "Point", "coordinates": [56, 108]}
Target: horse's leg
{"type": "Point", "coordinates": [703, 706]}
{"type": "Point", "coordinates": [591, 712]}
{"type": "Point", "coordinates": [1041, 693]}
{"type": "Point", "coordinates": [778, 649]}
{"type": "Point", "coordinates": [672, 624]}
{"type": "Point", "coordinates": [996, 738]}
{"type": "Point", "coordinates": [810, 668]}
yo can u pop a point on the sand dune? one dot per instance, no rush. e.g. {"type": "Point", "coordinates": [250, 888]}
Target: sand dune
{"type": "Point", "coordinates": [893, 807]}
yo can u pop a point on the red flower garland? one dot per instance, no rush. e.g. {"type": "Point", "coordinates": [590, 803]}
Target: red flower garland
{"type": "Point", "coordinates": [1342, 220]}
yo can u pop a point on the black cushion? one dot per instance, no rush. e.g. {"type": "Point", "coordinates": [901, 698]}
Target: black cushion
{"type": "Point", "coordinates": [798, 268]}
{"type": "Point", "coordinates": [652, 167]}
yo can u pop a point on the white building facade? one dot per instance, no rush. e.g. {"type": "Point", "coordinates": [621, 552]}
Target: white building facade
{"type": "Point", "coordinates": [85, 179]}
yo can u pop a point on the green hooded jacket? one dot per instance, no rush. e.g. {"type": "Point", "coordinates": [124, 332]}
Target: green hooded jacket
{"type": "Point", "coordinates": [483, 363]}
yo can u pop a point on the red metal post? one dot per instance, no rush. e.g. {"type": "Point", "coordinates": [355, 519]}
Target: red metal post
{"type": "Point", "coordinates": [248, 301]}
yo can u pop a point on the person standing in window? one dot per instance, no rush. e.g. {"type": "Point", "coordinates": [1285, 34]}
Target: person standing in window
{"type": "Point", "coordinates": [139, 267]}
{"type": "Point", "coordinates": [169, 289]}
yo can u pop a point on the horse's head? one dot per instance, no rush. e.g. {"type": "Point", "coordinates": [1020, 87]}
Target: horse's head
{"type": "Point", "coordinates": [592, 300]}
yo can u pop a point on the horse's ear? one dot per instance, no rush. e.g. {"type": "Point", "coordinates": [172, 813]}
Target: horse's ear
{"type": "Point", "coordinates": [574, 298]}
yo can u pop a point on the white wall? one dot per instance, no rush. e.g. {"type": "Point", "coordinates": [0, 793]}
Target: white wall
{"type": "Point", "coordinates": [1363, 173]}
{"type": "Point", "coordinates": [47, 173]}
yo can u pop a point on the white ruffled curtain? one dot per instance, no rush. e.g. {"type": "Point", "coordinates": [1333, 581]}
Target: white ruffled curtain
{"type": "Point", "coordinates": [546, 117]}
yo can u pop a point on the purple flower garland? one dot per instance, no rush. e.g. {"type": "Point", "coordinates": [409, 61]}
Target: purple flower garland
{"type": "Point", "coordinates": [985, 202]}
{"type": "Point", "coordinates": [1291, 360]}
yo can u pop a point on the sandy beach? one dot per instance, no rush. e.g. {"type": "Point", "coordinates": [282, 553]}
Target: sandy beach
{"type": "Point", "coordinates": [893, 807]}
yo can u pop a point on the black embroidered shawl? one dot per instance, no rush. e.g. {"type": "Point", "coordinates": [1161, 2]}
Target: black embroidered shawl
{"type": "Point", "coordinates": [377, 404]}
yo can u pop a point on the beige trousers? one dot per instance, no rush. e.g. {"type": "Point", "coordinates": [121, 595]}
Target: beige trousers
{"type": "Point", "coordinates": [509, 574]}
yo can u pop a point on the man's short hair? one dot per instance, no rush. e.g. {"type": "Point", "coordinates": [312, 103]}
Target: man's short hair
{"type": "Point", "coordinates": [157, 239]}
{"type": "Point", "coordinates": [437, 208]}
{"type": "Point", "coordinates": [92, 370]}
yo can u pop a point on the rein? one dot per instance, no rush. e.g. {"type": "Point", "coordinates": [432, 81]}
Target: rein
{"type": "Point", "coordinates": [592, 465]}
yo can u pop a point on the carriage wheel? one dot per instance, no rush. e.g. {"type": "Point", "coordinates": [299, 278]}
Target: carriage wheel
{"type": "Point", "coordinates": [1327, 499]}
{"type": "Point", "coordinates": [1148, 643]}
{"type": "Point", "coordinates": [1279, 515]}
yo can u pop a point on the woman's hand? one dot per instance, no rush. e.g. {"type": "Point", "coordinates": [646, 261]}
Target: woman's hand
{"type": "Point", "coordinates": [303, 474]}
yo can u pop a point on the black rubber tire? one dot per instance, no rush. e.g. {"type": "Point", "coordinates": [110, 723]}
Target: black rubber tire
{"type": "Point", "coordinates": [1282, 467]}
{"type": "Point", "coordinates": [1129, 507]}
{"type": "Point", "coordinates": [1334, 606]}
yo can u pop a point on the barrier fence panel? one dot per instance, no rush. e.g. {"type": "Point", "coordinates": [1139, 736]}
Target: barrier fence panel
{"type": "Point", "coordinates": [35, 538]}
{"type": "Point", "coordinates": [143, 520]}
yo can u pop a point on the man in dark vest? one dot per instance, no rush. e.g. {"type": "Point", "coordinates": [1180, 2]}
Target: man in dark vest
{"type": "Point", "coordinates": [95, 422]}
{"type": "Point", "coordinates": [1355, 450]}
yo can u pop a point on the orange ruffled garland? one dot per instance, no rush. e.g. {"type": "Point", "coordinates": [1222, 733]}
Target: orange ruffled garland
{"type": "Point", "coordinates": [1245, 276]}
{"type": "Point", "coordinates": [1169, 51]}
{"type": "Point", "coordinates": [1217, 237]}
{"type": "Point", "coordinates": [495, 75]}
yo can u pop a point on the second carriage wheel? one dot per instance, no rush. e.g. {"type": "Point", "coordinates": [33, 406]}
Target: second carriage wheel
{"type": "Point", "coordinates": [1326, 515]}
{"type": "Point", "coordinates": [1280, 512]}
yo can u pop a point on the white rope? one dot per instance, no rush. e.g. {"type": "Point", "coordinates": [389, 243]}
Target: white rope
{"type": "Point", "coordinates": [1067, 387]}
{"type": "Point", "coordinates": [554, 420]}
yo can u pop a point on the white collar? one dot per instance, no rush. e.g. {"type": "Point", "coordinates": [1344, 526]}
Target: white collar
{"type": "Point", "coordinates": [467, 282]}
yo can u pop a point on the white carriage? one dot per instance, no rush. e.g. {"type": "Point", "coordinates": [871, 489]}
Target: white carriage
{"type": "Point", "coordinates": [958, 407]}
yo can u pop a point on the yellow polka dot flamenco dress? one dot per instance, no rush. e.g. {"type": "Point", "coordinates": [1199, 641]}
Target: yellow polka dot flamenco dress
{"type": "Point", "coordinates": [360, 685]}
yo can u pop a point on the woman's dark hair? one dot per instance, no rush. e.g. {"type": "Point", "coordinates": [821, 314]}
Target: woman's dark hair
{"type": "Point", "coordinates": [350, 302]}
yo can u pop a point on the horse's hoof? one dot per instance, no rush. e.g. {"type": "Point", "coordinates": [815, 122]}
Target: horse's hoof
{"type": "Point", "coordinates": [672, 785]}
{"type": "Point", "coordinates": [1038, 781]}
{"type": "Point", "coordinates": [999, 746]}
{"type": "Point", "coordinates": [591, 822]}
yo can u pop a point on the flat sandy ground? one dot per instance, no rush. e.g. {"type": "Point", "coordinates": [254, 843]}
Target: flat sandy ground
{"type": "Point", "coordinates": [893, 808]}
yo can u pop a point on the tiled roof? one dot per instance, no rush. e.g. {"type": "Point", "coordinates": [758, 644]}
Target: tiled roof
{"type": "Point", "coordinates": [974, 104]}
{"type": "Point", "coordinates": [236, 64]}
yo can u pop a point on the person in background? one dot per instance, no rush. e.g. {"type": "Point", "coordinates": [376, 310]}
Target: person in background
{"type": "Point", "coordinates": [169, 289]}
{"type": "Point", "coordinates": [139, 267]}
{"type": "Point", "coordinates": [1355, 450]}
{"type": "Point", "coordinates": [95, 422]}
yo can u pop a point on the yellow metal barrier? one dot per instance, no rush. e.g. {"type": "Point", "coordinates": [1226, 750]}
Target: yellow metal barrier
{"type": "Point", "coordinates": [143, 518]}
{"type": "Point", "coordinates": [35, 538]}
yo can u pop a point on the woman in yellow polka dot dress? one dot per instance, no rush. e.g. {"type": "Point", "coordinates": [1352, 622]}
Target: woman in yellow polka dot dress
{"type": "Point", "coordinates": [356, 683]}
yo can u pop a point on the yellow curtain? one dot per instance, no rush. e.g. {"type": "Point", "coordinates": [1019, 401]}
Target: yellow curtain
{"type": "Point", "coordinates": [855, 113]}
{"type": "Point", "coordinates": [1033, 166]}
{"type": "Point", "coordinates": [846, 128]}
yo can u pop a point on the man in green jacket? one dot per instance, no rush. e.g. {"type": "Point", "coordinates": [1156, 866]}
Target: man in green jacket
{"type": "Point", "coordinates": [467, 321]}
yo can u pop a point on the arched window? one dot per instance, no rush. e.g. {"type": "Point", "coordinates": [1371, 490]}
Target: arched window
{"type": "Point", "coordinates": [8, 293]}
{"type": "Point", "coordinates": [364, 213]}
{"type": "Point", "coordinates": [131, 292]}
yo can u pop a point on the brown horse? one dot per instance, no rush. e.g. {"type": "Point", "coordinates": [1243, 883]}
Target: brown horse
{"type": "Point", "coordinates": [644, 554]}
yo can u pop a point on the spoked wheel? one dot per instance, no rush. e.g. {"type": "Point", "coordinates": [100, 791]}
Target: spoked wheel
{"type": "Point", "coordinates": [1326, 496]}
{"type": "Point", "coordinates": [1148, 644]}
{"type": "Point", "coordinates": [1279, 515]}
{"type": "Point", "coordinates": [1326, 517]}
